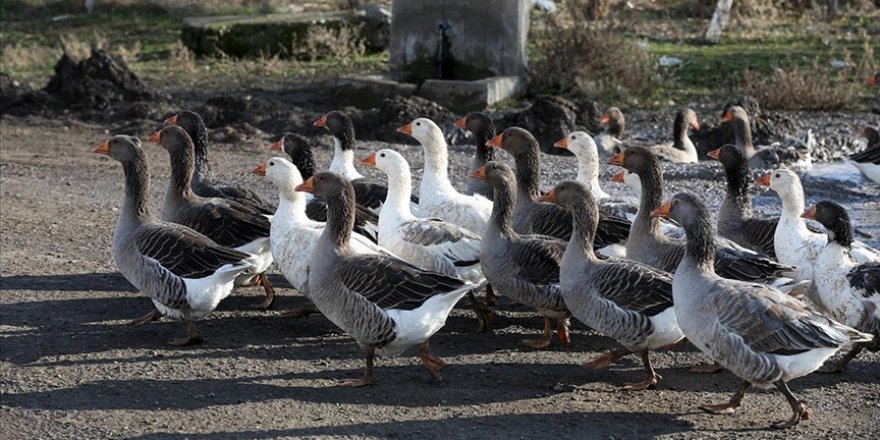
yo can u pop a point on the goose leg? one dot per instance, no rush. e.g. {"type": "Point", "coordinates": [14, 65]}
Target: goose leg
{"type": "Point", "coordinates": [840, 366]}
{"type": "Point", "coordinates": [731, 406]}
{"type": "Point", "coordinates": [650, 381]}
{"type": "Point", "coordinates": [263, 280]}
{"type": "Point", "coordinates": [485, 314]}
{"type": "Point", "coordinates": [606, 359]}
{"type": "Point", "coordinates": [673, 345]}
{"type": "Point", "coordinates": [706, 368]}
{"type": "Point", "coordinates": [544, 341]}
{"type": "Point", "coordinates": [193, 335]}
{"type": "Point", "coordinates": [432, 363]}
{"type": "Point", "coordinates": [367, 379]}
{"type": "Point", "coordinates": [799, 408]}
{"type": "Point", "coordinates": [490, 295]}
{"type": "Point", "coordinates": [562, 330]}
{"type": "Point", "coordinates": [151, 316]}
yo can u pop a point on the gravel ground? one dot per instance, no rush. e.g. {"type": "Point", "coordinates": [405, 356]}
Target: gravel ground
{"type": "Point", "coordinates": [72, 366]}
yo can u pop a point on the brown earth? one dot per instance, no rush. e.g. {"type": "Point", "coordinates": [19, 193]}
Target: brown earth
{"type": "Point", "coordinates": [73, 367]}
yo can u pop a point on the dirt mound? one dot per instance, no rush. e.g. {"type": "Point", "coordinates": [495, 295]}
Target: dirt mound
{"type": "Point", "coordinates": [381, 123]}
{"type": "Point", "coordinates": [96, 82]}
{"type": "Point", "coordinates": [19, 99]}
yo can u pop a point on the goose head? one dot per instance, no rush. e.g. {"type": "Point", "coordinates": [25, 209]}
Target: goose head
{"type": "Point", "coordinates": [636, 159]}
{"type": "Point", "coordinates": [835, 219]}
{"type": "Point", "coordinates": [388, 161]}
{"type": "Point", "coordinates": [515, 140]}
{"type": "Point", "coordinates": [582, 145]}
{"type": "Point", "coordinates": [688, 117]}
{"type": "Point", "coordinates": [172, 138]}
{"type": "Point", "coordinates": [475, 122]}
{"type": "Point", "coordinates": [687, 209]}
{"type": "Point", "coordinates": [122, 148]}
{"type": "Point", "coordinates": [497, 174]}
{"type": "Point", "coordinates": [785, 182]}
{"type": "Point", "coordinates": [614, 121]}
{"type": "Point", "coordinates": [425, 131]}
{"type": "Point", "coordinates": [292, 144]}
{"type": "Point", "coordinates": [189, 120]}
{"type": "Point", "coordinates": [328, 186]}
{"type": "Point", "coordinates": [729, 156]}
{"type": "Point", "coordinates": [339, 125]}
{"type": "Point", "coordinates": [630, 179]}
{"type": "Point", "coordinates": [735, 113]}
{"type": "Point", "coordinates": [569, 194]}
{"type": "Point", "coordinates": [280, 171]}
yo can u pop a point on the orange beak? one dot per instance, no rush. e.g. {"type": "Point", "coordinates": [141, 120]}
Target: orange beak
{"type": "Point", "coordinates": [278, 146]}
{"type": "Point", "coordinates": [810, 214]}
{"type": "Point", "coordinates": [156, 137]}
{"type": "Point", "coordinates": [662, 211]}
{"type": "Point", "coordinates": [695, 126]}
{"type": "Point", "coordinates": [714, 153]}
{"type": "Point", "coordinates": [727, 116]}
{"type": "Point", "coordinates": [606, 119]}
{"type": "Point", "coordinates": [550, 197]}
{"type": "Point", "coordinates": [406, 129]}
{"type": "Point", "coordinates": [763, 181]}
{"type": "Point", "coordinates": [619, 177]}
{"type": "Point", "coordinates": [370, 160]}
{"type": "Point", "coordinates": [461, 123]}
{"type": "Point", "coordinates": [616, 160]}
{"type": "Point", "coordinates": [562, 143]}
{"type": "Point", "coordinates": [260, 170]}
{"type": "Point", "coordinates": [872, 80]}
{"type": "Point", "coordinates": [495, 141]}
{"type": "Point", "coordinates": [172, 120]}
{"type": "Point", "coordinates": [479, 174]}
{"type": "Point", "coordinates": [103, 148]}
{"type": "Point", "coordinates": [307, 186]}
{"type": "Point", "coordinates": [321, 122]}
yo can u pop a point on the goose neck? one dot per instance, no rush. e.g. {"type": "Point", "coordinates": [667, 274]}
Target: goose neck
{"type": "Point", "coordinates": [137, 188]}
{"type": "Point", "coordinates": [700, 248]}
{"type": "Point", "coordinates": [584, 228]}
{"type": "Point", "coordinates": [528, 171]}
{"type": "Point", "coordinates": [343, 161]}
{"type": "Point", "coordinates": [397, 203]}
{"type": "Point", "coordinates": [502, 210]}
{"type": "Point", "coordinates": [483, 135]}
{"type": "Point", "coordinates": [340, 219]}
{"type": "Point", "coordinates": [652, 197]}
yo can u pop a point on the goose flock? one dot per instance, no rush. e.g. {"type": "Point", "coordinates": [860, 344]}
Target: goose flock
{"type": "Point", "coordinates": [768, 299]}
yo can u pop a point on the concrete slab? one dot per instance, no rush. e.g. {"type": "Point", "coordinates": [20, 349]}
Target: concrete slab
{"type": "Point", "coordinates": [465, 96]}
{"type": "Point", "coordinates": [367, 91]}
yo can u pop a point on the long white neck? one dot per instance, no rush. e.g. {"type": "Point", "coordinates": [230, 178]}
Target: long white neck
{"type": "Point", "coordinates": [343, 162]}
{"type": "Point", "coordinates": [291, 205]}
{"type": "Point", "coordinates": [397, 203]}
{"type": "Point", "coordinates": [793, 206]}
{"type": "Point", "coordinates": [436, 175]}
{"type": "Point", "coordinates": [588, 174]}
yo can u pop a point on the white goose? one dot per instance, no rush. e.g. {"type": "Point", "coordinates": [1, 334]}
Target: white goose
{"type": "Point", "coordinates": [847, 290]}
{"type": "Point", "coordinates": [293, 234]}
{"type": "Point", "coordinates": [796, 245]}
{"type": "Point", "coordinates": [437, 197]}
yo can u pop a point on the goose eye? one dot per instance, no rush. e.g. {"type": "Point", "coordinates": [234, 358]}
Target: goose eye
{"type": "Point", "coordinates": [382, 155]}
{"type": "Point", "coordinates": [572, 137]}
{"type": "Point", "coordinates": [271, 164]}
{"type": "Point", "coordinates": [777, 175]}
{"type": "Point", "coordinates": [419, 124]}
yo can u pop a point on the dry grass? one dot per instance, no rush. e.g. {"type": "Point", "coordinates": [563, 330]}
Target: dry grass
{"type": "Point", "coordinates": [578, 57]}
{"type": "Point", "coordinates": [322, 42]}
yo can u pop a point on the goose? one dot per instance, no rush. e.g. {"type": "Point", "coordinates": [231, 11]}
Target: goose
{"type": "Point", "coordinates": [631, 181]}
{"type": "Point", "coordinates": [609, 140]}
{"type": "Point", "coordinates": [225, 221]}
{"type": "Point", "coordinates": [757, 332]}
{"type": "Point", "coordinates": [868, 161]}
{"type": "Point", "coordinates": [204, 183]}
{"type": "Point", "coordinates": [383, 302]}
{"type": "Point", "coordinates": [483, 129]}
{"type": "Point", "coordinates": [682, 149]}
{"type": "Point", "coordinates": [183, 272]}
{"type": "Point", "coordinates": [795, 244]}
{"type": "Point", "coordinates": [847, 290]}
{"type": "Point", "coordinates": [531, 216]}
{"type": "Point", "coordinates": [437, 197]}
{"type": "Point", "coordinates": [736, 220]}
{"type": "Point", "coordinates": [293, 234]}
{"type": "Point", "coordinates": [431, 244]}
{"type": "Point", "coordinates": [524, 267]}
{"type": "Point", "coordinates": [647, 244]}
{"type": "Point", "coordinates": [798, 154]}
{"type": "Point", "coordinates": [625, 300]}
{"type": "Point", "coordinates": [370, 195]}
{"type": "Point", "coordinates": [299, 148]}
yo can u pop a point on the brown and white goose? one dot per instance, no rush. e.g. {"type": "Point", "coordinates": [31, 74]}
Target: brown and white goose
{"type": "Point", "coordinates": [483, 129]}
{"type": "Point", "coordinates": [533, 217]}
{"type": "Point", "coordinates": [384, 303]}
{"type": "Point", "coordinates": [797, 154]}
{"type": "Point", "coordinates": [370, 195]}
{"type": "Point", "coordinates": [609, 140]}
{"type": "Point", "coordinates": [757, 332]}
{"type": "Point", "coordinates": [647, 244]}
{"type": "Point", "coordinates": [625, 300]}
{"type": "Point", "coordinates": [225, 221]}
{"type": "Point", "coordinates": [299, 148]}
{"type": "Point", "coordinates": [204, 183]}
{"type": "Point", "coordinates": [682, 149]}
{"type": "Point", "coordinates": [183, 272]}
{"type": "Point", "coordinates": [849, 291]}
{"type": "Point", "coordinates": [524, 267]}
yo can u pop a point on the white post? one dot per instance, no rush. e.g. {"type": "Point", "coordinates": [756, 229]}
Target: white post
{"type": "Point", "coordinates": [719, 21]}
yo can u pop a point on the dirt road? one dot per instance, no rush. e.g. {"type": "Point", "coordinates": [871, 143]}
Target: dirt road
{"type": "Point", "coordinates": [72, 366]}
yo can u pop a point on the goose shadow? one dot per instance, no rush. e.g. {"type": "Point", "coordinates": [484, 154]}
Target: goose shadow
{"type": "Point", "coordinates": [569, 424]}
{"type": "Point", "coordinates": [95, 281]}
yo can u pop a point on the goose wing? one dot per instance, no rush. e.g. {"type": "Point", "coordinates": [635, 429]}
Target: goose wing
{"type": "Point", "coordinates": [459, 245]}
{"type": "Point", "coordinates": [183, 251]}
{"type": "Point", "coordinates": [244, 196]}
{"type": "Point", "coordinates": [228, 223]}
{"type": "Point", "coordinates": [391, 283]}
{"type": "Point", "coordinates": [538, 258]}
{"type": "Point", "coordinates": [634, 286]}
{"type": "Point", "coordinates": [865, 278]}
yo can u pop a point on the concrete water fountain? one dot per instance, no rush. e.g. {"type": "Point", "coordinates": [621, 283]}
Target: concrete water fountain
{"type": "Point", "coordinates": [463, 54]}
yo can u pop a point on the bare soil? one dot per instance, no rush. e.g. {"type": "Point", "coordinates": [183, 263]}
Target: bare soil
{"type": "Point", "coordinates": [73, 367]}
